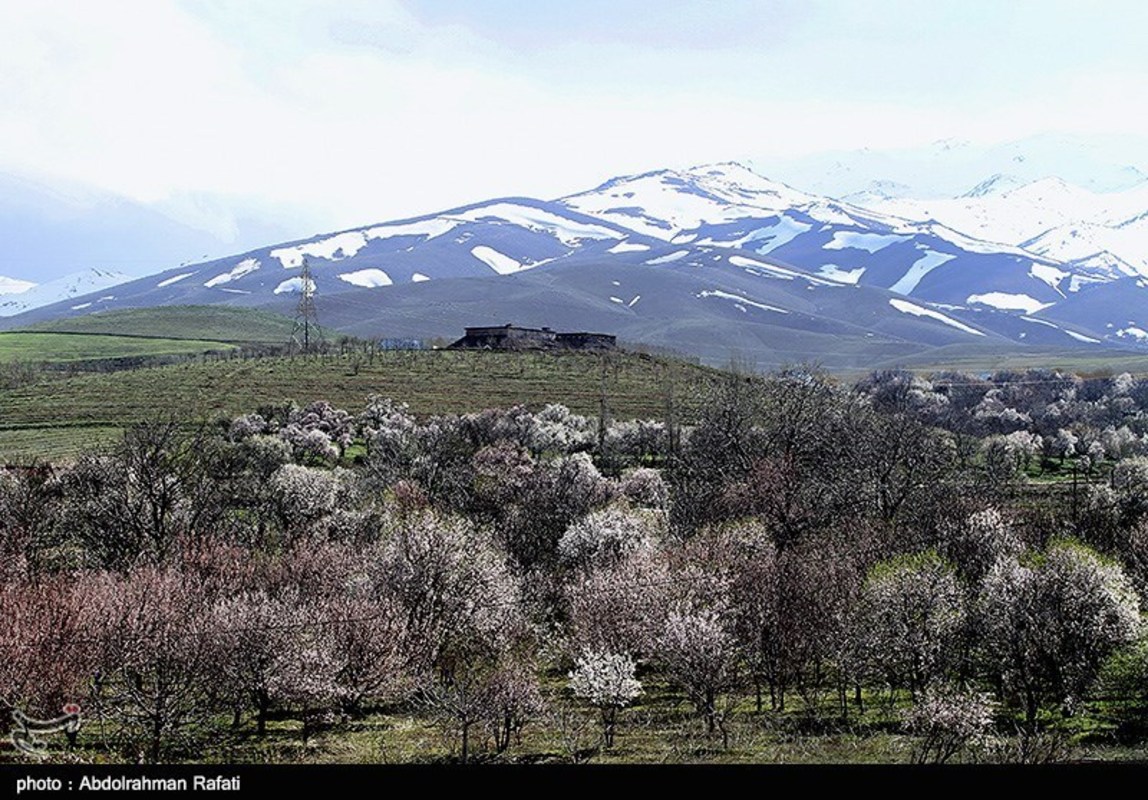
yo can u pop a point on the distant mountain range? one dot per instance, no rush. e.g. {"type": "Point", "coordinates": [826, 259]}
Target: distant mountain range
{"type": "Point", "coordinates": [18, 296]}
{"type": "Point", "coordinates": [717, 261]}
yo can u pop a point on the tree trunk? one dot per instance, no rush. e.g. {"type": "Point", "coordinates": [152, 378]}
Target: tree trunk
{"type": "Point", "coordinates": [156, 739]}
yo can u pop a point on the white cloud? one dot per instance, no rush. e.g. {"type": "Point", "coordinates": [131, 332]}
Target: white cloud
{"type": "Point", "coordinates": [357, 112]}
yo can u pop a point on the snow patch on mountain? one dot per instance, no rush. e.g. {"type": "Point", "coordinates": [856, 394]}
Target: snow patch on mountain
{"type": "Point", "coordinates": [173, 280]}
{"type": "Point", "coordinates": [332, 248]}
{"type": "Point", "coordinates": [768, 238]}
{"type": "Point", "coordinates": [628, 247]}
{"type": "Point", "coordinates": [367, 278]}
{"type": "Point", "coordinates": [293, 285]}
{"type": "Point", "coordinates": [862, 241]}
{"type": "Point", "coordinates": [665, 203]}
{"type": "Point", "coordinates": [1080, 337]}
{"type": "Point", "coordinates": [418, 277]}
{"type": "Point", "coordinates": [568, 231]}
{"type": "Point", "coordinates": [737, 298]}
{"type": "Point", "coordinates": [14, 285]}
{"type": "Point", "coordinates": [1048, 273]}
{"type": "Point", "coordinates": [677, 255]}
{"type": "Point", "coordinates": [920, 268]}
{"type": "Point", "coordinates": [1133, 332]}
{"type": "Point", "coordinates": [1007, 301]}
{"type": "Point", "coordinates": [62, 289]}
{"type": "Point", "coordinates": [835, 273]}
{"type": "Point", "coordinates": [905, 307]}
{"type": "Point", "coordinates": [244, 267]}
{"type": "Point", "coordinates": [427, 228]}
{"type": "Point", "coordinates": [499, 262]}
{"type": "Point", "coordinates": [764, 270]}
{"type": "Point", "coordinates": [1048, 217]}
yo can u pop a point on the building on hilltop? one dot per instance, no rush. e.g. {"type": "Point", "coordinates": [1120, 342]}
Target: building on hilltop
{"type": "Point", "coordinates": [512, 337]}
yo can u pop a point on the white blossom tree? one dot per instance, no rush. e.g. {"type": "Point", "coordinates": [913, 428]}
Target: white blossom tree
{"type": "Point", "coordinates": [607, 537]}
{"type": "Point", "coordinates": [977, 542]}
{"type": "Point", "coordinates": [910, 619]}
{"type": "Point", "coordinates": [948, 723]}
{"type": "Point", "coordinates": [301, 496]}
{"type": "Point", "coordinates": [646, 488]}
{"type": "Point", "coordinates": [606, 681]}
{"type": "Point", "coordinates": [620, 609]}
{"type": "Point", "coordinates": [557, 430]}
{"type": "Point", "coordinates": [699, 654]}
{"type": "Point", "coordinates": [1050, 620]}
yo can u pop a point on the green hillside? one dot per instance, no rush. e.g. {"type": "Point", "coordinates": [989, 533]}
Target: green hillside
{"type": "Point", "coordinates": [71, 347]}
{"type": "Point", "coordinates": [58, 415]}
{"type": "Point", "coordinates": [987, 358]}
{"type": "Point", "coordinates": [214, 323]}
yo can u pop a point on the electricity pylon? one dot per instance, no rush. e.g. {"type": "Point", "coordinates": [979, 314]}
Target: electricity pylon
{"type": "Point", "coordinates": [307, 333]}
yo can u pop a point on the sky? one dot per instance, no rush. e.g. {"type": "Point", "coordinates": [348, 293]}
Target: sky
{"type": "Point", "coordinates": [333, 114]}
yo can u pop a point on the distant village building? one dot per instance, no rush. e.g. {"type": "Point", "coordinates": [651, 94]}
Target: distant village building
{"type": "Point", "coordinates": [402, 344]}
{"type": "Point", "coordinates": [512, 337]}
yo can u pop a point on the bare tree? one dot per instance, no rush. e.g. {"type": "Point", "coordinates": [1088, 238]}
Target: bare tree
{"type": "Point", "coordinates": [155, 679]}
{"type": "Point", "coordinates": [137, 499]}
{"type": "Point", "coordinates": [47, 659]}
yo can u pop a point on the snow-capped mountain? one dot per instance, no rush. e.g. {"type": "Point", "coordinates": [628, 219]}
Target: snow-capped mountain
{"type": "Point", "coordinates": [728, 205]}
{"type": "Point", "coordinates": [955, 167]}
{"type": "Point", "coordinates": [711, 260]}
{"type": "Point", "coordinates": [1105, 234]}
{"type": "Point", "coordinates": [10, 286]}
{"type": "Point", "coordinates": [30, 296]}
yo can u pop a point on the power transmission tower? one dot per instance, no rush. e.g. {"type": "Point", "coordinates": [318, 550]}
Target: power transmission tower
{"type": "Point", "coordinates": [306, 333]}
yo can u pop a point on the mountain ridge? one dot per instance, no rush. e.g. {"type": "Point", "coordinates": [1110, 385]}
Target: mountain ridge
{"type": "Point", "coordinates": [687, 258]}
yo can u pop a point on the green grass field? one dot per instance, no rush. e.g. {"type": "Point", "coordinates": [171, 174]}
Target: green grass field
{"type": "Point", "coordinates": [67, 347]}
{"type": "Point", "coordinates": [660, 728]}
{"type": "Point", "coordinates": [976, 359]}
{"type": "Point", "coordinates": [58, 415]}
{"type": "Point", "coordinates": [213, 323]}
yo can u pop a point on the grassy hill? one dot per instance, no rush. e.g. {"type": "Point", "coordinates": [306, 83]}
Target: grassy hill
{"type": "Point", "coordinates": [59, 416]}
{"type": "Point", "coordinates": [988, 358]}
{"type": "Point", "coordinates": [213, 323]}
{"type": "Point", "coordinates": [73, 347]}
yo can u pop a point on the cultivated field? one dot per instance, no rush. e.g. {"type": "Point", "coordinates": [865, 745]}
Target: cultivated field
{"type": "Point", "coordinates": [59, 415]}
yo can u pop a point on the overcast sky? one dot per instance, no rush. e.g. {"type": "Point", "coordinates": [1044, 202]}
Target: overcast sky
{"type": "Point", "coordinates": [363, 111]}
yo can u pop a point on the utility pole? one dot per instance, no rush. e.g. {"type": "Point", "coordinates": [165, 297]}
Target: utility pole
{"type": "Point", "coordinates": [306, 317]}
